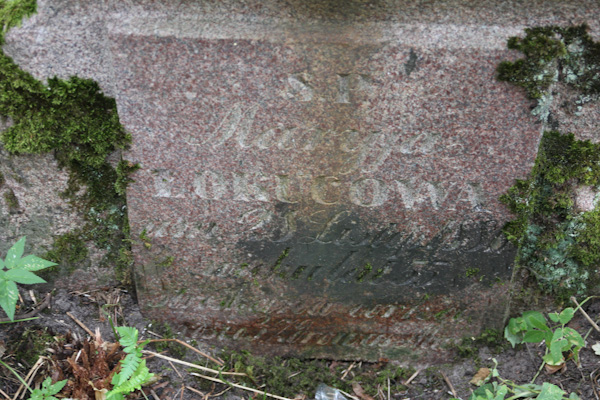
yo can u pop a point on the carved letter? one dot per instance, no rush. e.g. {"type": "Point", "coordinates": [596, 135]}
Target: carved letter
{"type": "Point", "coordinates": [209, 185]}
{"type": "Point", "coordinates": [244, 191]}
{"type": "Point", "coordinates": [300, 89]}
{"type": "Point", "coordinates": [368, 192]}
{"type": "Point", "coordinates": [324, 190]}
{"type": "Point", "coordinates": [163, 184]}
{"type": "Point", "coordinates": [282, 190]}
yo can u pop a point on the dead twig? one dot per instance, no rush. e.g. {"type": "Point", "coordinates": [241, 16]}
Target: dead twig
{"type": "Point", "coordinates": [412, 377]}
{"type": "Point", "coordinates": [154, 395]}
{"type": "Point", "coordinates": [3, 393]}
{"type": "Point", "coordinates": [593, 378]}
{"type": "Point", "coordinates": [187, 364]}
{"type": "Point", "coordinates": [29, 378]}
{"type": "Point", "coordinates": [181, 342]}
{"type": "Point", "coordinates": [347, 371]}
{"type": "Point", "coordinates": [591, 321]}
{"type": "Point", "coordinates": [81, 324]}
{"type": "Point", "coordinates": [263, 393]}
{"type": "Point", "coordinates": [449, 384]}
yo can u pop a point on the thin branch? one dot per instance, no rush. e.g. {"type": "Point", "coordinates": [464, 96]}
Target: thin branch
{"type": "Point", "coordinates": [81, 324]}
{"type": "Point", "coordinates": [210, 378]}
{"type": "Point", "coordinates": [187, 364]}
{"type": "Point", "coordinates": [591, 321]}
{"type": "Point", "coordinates": [449, 384]}
{"type": "Point", "coordinates": [181, 342]}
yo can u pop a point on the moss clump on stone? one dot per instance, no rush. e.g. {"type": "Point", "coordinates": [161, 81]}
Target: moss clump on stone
{"type": "Point", "coordinates": [74, 120]}
{"type": "Point", "coordinates": [558, 243]}
{"type": "Point", "coordinates": [11, 201]}
{"type": "Point", "coordinates": [554, 54]}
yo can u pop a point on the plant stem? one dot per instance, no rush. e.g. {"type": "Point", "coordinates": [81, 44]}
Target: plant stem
{"type": "Point", "coordinates": [17, 375]}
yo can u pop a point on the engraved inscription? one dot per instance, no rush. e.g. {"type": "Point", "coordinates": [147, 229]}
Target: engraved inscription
{"type": "Point", "coordinates": [325, 190]}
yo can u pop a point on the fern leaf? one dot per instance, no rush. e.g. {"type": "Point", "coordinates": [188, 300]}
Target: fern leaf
{"type": "Point", "coordinates": [129, 366]}
{"type": "Point", "coordinates": [128, 337]}
{"type": "Point", "coordinates": [140, 377]}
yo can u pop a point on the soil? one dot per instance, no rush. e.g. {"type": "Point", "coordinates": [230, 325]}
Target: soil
{"type": "Point", "coordinates": [175, 382]}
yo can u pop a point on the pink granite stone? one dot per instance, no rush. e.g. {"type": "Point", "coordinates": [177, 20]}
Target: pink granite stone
{"type": "Point", "coordinates": [325, 198]}
{"type": "Point", "coordinates": [319, 177]}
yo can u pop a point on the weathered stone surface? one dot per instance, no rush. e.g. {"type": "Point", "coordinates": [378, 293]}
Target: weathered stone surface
{"type": "Point", "coordinates": [318, 178]}
{"type": "Point", "coordinates": [30, 201]}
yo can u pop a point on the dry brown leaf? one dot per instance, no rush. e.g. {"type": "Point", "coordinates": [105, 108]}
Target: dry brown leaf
{"type": "Point", "coordinates": [552, 369]}
{"type": "Point", "coordinates": [360, 392]}
{"type": "Point", "coordinates": [480, 377]}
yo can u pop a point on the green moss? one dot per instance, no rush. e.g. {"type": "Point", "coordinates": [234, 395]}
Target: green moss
{"type": "Point", "coordinates": [32, 343]}
{"type": "Point", "coordinates": [552, 54]}
{"type": "Point", "coordinates": [363, 272]}
{"type": "Point", "coordinates": [163, 329]}
{"type": "Point", "coordinates": [558, 244]}
{"type": "Point", "coordinates": [68, 250]}
{"type": "Point", "coordinates": [280, 259]}
{"type": "Point", "coordinates": [74, 120]}
{"type": "Point", "coordinates": [13, 12]}
{"type": "Point", "coordinates": [11, 201]}
{"type": "Point", "coordinates": [289, 377]}
{"type": "Point", "coordinates": [468, 347]}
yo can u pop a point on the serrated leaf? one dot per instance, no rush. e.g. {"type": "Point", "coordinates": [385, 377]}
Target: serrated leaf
{"type": "Point", "coordinates": [34, 263]}
{"type": "Point", "coordinates": [23, 276]}
{"type": "Point", "coordinates": [9, 295]}
{"type": "Point", "coordinates": [534, 336]}
{"type": "Point", "coordinates": [566, 315]}
{"type": "Point", "coordinates": [14, 253]}
{"type": "Point", "coordinates": [57, 387]}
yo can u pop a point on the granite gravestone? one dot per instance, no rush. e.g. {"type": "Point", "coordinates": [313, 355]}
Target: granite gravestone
{"type": "Point", "coordinates": [330, 192]}
{"type": "Point", "coordinates": [317, 177]}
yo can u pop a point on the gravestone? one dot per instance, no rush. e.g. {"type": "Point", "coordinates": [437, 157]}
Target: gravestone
{"type": "Point", "coordinates": [329, 191]}
{"type": "Point", "coordinates": [318, 178]}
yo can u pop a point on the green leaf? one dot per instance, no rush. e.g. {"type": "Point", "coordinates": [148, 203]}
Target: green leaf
{"type": "Point", "coordinates": [128, 366]}
{"type": "Point", "coordinates": [534, 336]}
{"type": "Point", "coordinates": [566, 315]}
{"type": "Point", "coordinates": [573, 396]}
{"type": "Point", "coordinates": [34, 263]}
{"type": "Point", "coordinates": [512, 333]}
{"type": "Point", "coordinates": [550, 392]}
{"type": "Point", "coordinates": [8, 297]}
{"type": "Point", "coordinates": [573, 337]}
{"type": "Point", "coordinates": [556, 349]}
{"type": "Point", "coordinates": [536, 319]}
{"type": "Point", "coordinates": [1, 264]}
{"type": "Point", "coordinates": [128, 336]}
{"type": "Point", "coordinates": [14, 253]}
{"type": "Point", "coordinates": [553, 317]}
{"type": "Point", "coordinates": [23, 276]}
{"type": "Point", "coordinates": [57, 387]}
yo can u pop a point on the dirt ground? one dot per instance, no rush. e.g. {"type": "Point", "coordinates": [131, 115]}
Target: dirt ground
{"type": "Point", "coordinates": [61, 310]}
